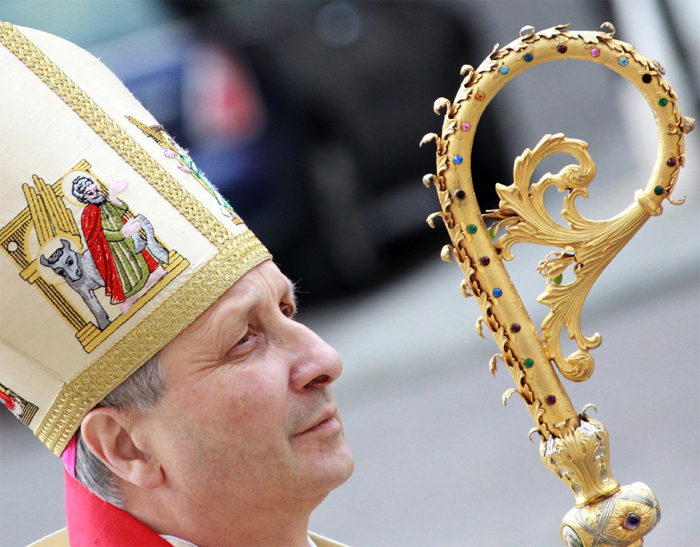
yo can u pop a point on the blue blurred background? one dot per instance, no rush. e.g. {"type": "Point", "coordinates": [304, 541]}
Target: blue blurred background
{"type": "Point", "coordinates": [307, 115]}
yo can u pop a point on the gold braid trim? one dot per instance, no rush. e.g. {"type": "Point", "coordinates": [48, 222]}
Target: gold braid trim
{"type": "Point", "coordinates": [78, 396]}
{"type": "Point", "coordinates": [122, 143]}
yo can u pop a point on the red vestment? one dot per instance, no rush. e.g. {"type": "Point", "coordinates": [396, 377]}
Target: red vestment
{"type": "Point", "coordinates": [93, 522]}
{"type": "Point", "coordinates": [8, 401]}
{"type": "Point", "coordinates": [101, 254]}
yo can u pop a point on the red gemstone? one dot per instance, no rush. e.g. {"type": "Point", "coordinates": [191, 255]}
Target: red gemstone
{"type": "Point", "coordinates": [561, 48]}
{"type": "Point", "coordinates": [671, 162]}
{"type": "Point", "coordinates": [515, 327]}
{"type": "Point", "coordinates": [485, 260]}
{"type": "Point", "coordinates": [550, 400]}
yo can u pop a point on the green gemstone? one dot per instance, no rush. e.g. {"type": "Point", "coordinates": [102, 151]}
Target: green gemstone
{"type": "Point", "coordinates": [529, 363]}
{"type": "Point", "coordinates": [659, 190]}
{"type": "Point", "coordinates": [663, 101]}
{"type": "Point", "coordinates": [558, 279]}
{"type": "Point", "coordinates": [471, 229]}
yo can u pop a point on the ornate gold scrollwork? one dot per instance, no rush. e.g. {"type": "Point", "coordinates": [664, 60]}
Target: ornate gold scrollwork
{"type": "Point", "coordinates": [587, 246]}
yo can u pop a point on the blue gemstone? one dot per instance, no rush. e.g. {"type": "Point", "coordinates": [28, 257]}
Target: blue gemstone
{"type": "Point", "coordinates": [624, 61]}
{"type": "Point", "coordinates": [504, 69]}
{"type": "Point", "coordinates": [458, 159]}
{"type": "Point", "coordinates": [497, 293]}
{"type": "Point", "coordinates": [528, 57]}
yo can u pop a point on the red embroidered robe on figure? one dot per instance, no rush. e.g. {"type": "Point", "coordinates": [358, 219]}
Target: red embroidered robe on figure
{"type": "Point", "coordinates": [123, 270]}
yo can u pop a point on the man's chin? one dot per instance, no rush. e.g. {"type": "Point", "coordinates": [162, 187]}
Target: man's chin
{"type": "Point", "coordinates": [345, 463]}
{"type": "Point", "coordinates": [341, 466]}
{"type": "Point", "coordinates": [330, 467]}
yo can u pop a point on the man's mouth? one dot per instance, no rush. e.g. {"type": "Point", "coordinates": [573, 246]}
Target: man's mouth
{"type": "Point", "coordinates": [326, 421]}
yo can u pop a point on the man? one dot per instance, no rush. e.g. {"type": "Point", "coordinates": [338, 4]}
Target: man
{"type": "Point", "coordinates": [206, 416]}
{"type": "Point", "coordinates": [124, 269]}
{"type": "Point", "coordinates": [243, 440]}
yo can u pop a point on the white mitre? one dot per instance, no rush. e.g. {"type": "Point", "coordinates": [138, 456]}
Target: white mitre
{"type": "Point", "coordinates": [111, 240]}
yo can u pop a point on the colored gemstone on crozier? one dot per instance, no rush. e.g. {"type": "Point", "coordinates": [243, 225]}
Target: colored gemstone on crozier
{"type": "Point", "coordinates": [663, 101]}
{"type": "Point", "coordinates": [671, 162]}
{"type": "Point", "coordinates": [528, 57]}
{"type": "Point", "coordinates": [471, 228]}
{"type": "Point", "coordinates": [458, 159]}
{"type": "Point", "coordinates": [561, 48]}
{"type": "Point", "coordinates": [480, 95]}
{"type": "Point", "coordinates": [466, 126]}
{"type": "Point", "coordinates": [460, 194]}
{"type": "Point", "coordinates": [624, 61]}
{"type": "Point", "coordinates": [504, 69]}
{"type": "Point", "coordinates": [515, 327]}
{"type": "Point", "coordinates": [550, 400]}
{"type": "Point", "coordinates": [632, 521]}
{"type": "Point", "coordinates": [497, 293]}
{"type": "Point", "coordinates": [528, 363]}
{"type": "Point", "coordinates": [659, 190]}
{"type": "Point", "coordinates": [595, 52]}
{"type": "Point", "coordinates": [646, 78]}
{"type": "Point", "coordinates": [485, 261]}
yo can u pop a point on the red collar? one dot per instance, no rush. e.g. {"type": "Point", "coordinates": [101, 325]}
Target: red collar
{"type": "Point", "coordinates": [93, 522]}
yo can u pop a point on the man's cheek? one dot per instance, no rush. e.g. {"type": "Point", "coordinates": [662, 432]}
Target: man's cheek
{"type": "Point", "coordinates": [254, 404]}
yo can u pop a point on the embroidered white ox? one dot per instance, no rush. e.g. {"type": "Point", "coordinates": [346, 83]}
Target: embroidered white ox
{"type": "Point", "coordinates": [82, 276]}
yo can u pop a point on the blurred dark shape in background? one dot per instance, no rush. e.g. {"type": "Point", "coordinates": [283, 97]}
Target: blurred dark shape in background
{"type": "Point", "coordinates": [307, 116]}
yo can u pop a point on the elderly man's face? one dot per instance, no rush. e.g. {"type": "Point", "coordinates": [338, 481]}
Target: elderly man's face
{"type": "Point", "coordinates": [92, 191]}
{"type": "Point", "coordinates": [249, 415]}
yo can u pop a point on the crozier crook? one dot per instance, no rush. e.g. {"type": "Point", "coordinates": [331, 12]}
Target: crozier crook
{"type": "Point", "coordinates": [573, 446]}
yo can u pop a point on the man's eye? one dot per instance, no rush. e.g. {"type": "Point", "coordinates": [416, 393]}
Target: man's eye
{"type": "Point", "coordinates": [244, 339]}
{"type": "Point", "coordinates": [287, 310]}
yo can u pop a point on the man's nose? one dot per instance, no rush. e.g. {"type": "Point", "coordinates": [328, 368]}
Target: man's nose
{"type": "Point", "coordinates": [314, 363]}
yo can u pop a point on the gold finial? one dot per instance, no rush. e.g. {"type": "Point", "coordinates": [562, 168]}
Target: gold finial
{"type": "Point", "coordinates": [526, 31]}
{"type": "Point", "coordinates": [611, 30]}
{"type": "Point", "coordinates": [688, 124]}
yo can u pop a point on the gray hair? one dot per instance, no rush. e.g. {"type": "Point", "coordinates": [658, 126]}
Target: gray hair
{"type": "Point", "coordinates": [79, 186]}
{"type": "Point", "coordinates": [140, 391]}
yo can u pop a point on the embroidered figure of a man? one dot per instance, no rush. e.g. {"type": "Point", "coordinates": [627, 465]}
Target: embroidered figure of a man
{"type": "Point", "coordinates": [112, 241]}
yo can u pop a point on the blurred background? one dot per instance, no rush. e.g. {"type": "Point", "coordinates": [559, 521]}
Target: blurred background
{"type": "Point", "coordinates": [307, 115]}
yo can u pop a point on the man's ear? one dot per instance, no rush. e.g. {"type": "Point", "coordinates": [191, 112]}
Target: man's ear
{"type": "Point", "coordinates": [108, 435]}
